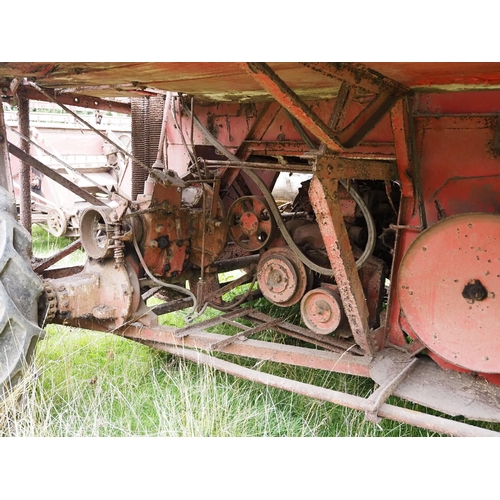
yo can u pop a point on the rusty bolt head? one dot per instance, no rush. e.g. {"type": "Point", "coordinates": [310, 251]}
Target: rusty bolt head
{"type": "Point", "coordinates": [474, 291]}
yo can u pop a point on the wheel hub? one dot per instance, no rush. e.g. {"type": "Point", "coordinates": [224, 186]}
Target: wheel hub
{"type": "Point", "coordinates": [250, 225]}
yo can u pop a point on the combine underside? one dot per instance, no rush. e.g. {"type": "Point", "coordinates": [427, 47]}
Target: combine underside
{"type": "Point", "coordinates": [387, 246]}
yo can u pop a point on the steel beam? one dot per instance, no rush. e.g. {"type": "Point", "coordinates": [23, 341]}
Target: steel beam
{"type": "Point", "coordinates": [358, 75]}
{"type": "Point", "coordinates": [337, 167]}
{"type": "Point", "coordinates": [268, 79]}
{"type": "Point", "coordinates": [25, 170]}
{"type": "Point", "coordinates": [341, 362]}
{"type": "Point", "coordinates": [323, 195]}
{"type": "Point", "coordinates": [5, 173]}
{"type": "Point", "coordinates": [79, 100]}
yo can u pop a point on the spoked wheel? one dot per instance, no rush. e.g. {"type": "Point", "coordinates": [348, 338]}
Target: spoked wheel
{"type": "Point", "coordinates": [57, 223]}
{"type": "Point", "coordinates": [20, 289]}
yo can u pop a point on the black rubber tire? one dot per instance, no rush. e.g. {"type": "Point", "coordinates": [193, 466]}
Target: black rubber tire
{"type": "Point", "coordinates": [20, 289]}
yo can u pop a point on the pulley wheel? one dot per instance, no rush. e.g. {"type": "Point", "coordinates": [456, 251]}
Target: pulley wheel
{"type": "Point", "coordinates": [250, 223]}
{"type": "Point", "coordinates": [282, 277]}
{"type": "Point", "coordinates": [449, 290]}
{"type": "Point", "coordinates": [95, 232]}
{"type": "Point", "coordinates": [321, 310]}
{"type": "Point", "coordinates": [56, 222]}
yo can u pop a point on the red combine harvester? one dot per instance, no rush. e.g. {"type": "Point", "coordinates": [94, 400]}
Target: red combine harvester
{"type": "Point", "coordinates": [390, 247]}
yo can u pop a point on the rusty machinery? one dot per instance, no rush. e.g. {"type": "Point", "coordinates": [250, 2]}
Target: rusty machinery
{"type": "Point", "coordinates": [388, 250]}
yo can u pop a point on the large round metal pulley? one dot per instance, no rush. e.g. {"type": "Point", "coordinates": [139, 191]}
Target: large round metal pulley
{"type": "Point", "coordinates": [96, 232]}
{"type": "Point", "coordinates": [282, 277]}
{"type": "Point", "coordinates": [449, 290]}
{"type": "Point", "coordinates": [250, 224]}
{"type": "Point", "coordinates": [321, 310]}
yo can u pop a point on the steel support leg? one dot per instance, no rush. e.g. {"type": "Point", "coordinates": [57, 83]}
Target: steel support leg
{"type": "Point", "coordinates": [325, 202]}
{"type": "Point", "coordinates": [5, 173]}
{"type": "Point", "coordinates": [25, 170]}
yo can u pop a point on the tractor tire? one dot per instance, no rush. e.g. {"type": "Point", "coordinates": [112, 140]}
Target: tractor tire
{"type": "Point", "coordinates": [20, 289]}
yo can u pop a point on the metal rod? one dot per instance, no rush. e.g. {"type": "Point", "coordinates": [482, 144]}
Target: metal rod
{"type": "Point", "coordinates": [430, 422]}
{"type": "Point", "coordinates": [44, 169]}
{"type": "Point", "coordinates": [5, 172]}
{"type": "Point", "coordinates": [257, 165]}
{"type": "Point", "coordinates": [68, 167]}
{"type": "Point", "coordinates": [163, 129]}
{"type": "Point", "coordinates": [23, 114]}
{"type": "Point", "coordinates": [58, 256]}
{"type": "Point", "coordinates": [224, 266]}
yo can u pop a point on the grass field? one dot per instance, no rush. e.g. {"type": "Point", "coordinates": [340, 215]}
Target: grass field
{"type": "Point", "coordinates": [93, 384]}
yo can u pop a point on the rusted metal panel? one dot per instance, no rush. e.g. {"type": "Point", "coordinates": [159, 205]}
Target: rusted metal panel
{"type": "Point", "coordinates": [440, 75]}
{"type": "Point", "coordinates": [227, 81]}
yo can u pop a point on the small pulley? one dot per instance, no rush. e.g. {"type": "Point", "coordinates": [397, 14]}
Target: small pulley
{"type": "Point", "coordinates": [57, 222]}
{"type": "Point", "coordinates": [321, 310]}
{"type": "Point", "coordinates": [250, 223]}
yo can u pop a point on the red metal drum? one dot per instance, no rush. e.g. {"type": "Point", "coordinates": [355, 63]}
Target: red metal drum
{"type": "Point", "coordinates": [449, 290]}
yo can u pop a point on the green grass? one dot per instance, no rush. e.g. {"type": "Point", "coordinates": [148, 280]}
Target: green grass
{"type": "Point", "coordinates": [87, 383]}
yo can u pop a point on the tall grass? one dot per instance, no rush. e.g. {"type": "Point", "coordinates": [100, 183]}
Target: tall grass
{"type": "Point", "coordinates": [85, 383]}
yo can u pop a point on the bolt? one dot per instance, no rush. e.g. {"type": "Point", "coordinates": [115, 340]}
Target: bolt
{"type": "Point", "coordinates": [474, 290]}
{"type": "Point", "coordinates": [62, 288]}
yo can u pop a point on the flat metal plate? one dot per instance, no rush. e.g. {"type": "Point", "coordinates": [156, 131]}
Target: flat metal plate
{"type": "Point", "coordinates": [227, 81]}
{"type": "Point", "coordinates": [453, 393]}
{"type": "Point", "coordinates": [433, 275]}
